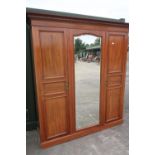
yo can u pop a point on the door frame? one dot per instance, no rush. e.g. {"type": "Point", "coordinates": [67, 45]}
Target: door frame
{"type": "Point", "coordinates": [103, 76]}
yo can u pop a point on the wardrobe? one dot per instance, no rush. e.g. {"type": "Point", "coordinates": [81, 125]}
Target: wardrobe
{"type": "Point", "coordinates": [79, 65]}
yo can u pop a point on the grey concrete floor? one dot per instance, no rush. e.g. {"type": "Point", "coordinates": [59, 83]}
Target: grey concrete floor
{"type": "Point", "coordinates": [113, 141]}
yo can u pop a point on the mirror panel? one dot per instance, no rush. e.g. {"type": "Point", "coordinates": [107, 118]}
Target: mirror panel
{"type": "Point", "coordinates": [87, 53]}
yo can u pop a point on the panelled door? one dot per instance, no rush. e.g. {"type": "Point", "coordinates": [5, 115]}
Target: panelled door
{"type": "Point", "coordinates": [116, 59]}
{"type": "Point", "coordinates": [50, 63]}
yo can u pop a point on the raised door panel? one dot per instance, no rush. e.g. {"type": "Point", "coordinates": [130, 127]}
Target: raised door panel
{"type": "Point", "coordinates": [50, 62]}
{"type": "Point", "coordinates": [54, 88]}
{"type": "Point", "coordinates": [52, 54]}
{"type": "Point", "coordinates": [113, 104]}
{"type": "Point", "coordinates": [115, 53]}
{"type": "Point", "coordinates": [55, 111]}
{"type": "Point", "coordinates": [116, 59]}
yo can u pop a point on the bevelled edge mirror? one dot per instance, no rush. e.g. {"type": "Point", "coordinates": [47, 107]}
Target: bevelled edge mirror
{"type": "Point", "coordinates": [87, 58]}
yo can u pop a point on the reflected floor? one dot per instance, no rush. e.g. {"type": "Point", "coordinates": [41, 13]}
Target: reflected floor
{"type": "Point", "coordinates": [87, 93]}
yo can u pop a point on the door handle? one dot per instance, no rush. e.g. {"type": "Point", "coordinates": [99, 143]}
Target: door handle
{"type": "Point", "coordinates": [67, 86]}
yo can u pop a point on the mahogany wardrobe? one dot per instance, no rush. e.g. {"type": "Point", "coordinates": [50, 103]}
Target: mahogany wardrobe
{"type": "Point", "coordinates": [80, 67]}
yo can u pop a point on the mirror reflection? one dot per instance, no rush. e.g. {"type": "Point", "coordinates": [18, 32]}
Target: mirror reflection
{"type": "Point", "coordinates": [87, 53]}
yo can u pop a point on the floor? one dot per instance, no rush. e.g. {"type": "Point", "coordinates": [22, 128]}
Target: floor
{"type": "Point", "coordinates": [113, 141]}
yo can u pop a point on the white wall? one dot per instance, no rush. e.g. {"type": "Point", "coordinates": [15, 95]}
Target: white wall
{"type": "Point", "coordinates": [102, 8]}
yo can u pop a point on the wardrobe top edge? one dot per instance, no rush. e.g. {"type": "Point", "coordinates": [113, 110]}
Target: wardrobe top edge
{"type": "Point", "coordinates": [47, 14]}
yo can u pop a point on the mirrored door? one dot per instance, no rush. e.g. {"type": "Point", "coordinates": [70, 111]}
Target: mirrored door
{"type": "Point", "coordinates": [87, 69]}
